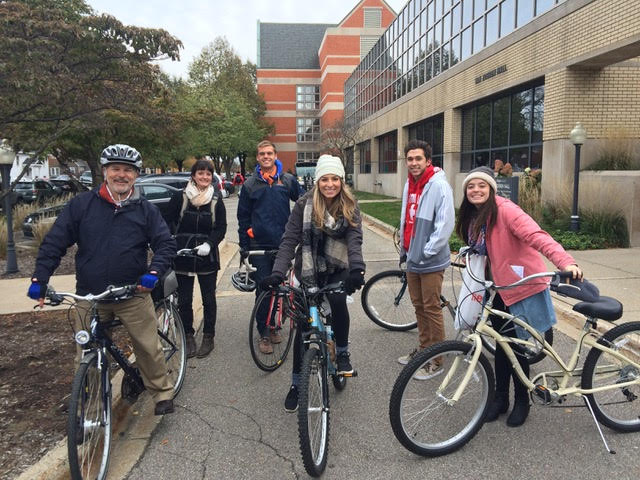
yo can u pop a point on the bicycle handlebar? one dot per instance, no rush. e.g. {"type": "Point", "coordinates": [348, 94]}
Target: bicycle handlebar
{"type": "Point", "coordinates": [331, 288]}
{"type": "Point", "coordinates": [56, 298]}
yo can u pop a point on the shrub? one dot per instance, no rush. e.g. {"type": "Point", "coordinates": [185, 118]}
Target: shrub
{"type": "Point", "coordinates": [614, 161]}
{"type": "Point", "coordinates": [41, 228]}
{"type": "Point", "coordinates": [20, 211]}
{"type": "Point", "coordinates": [529, 193]}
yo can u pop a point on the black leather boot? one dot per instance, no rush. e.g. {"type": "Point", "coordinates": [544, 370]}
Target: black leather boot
{"type": "Point", "coordinates": [518, 414]}
{"type": "Point", "coordinates": [191, 345]}
{"type": "Point", "coordinates": [206, 346]}
{"type": "Point", "coordinates": [499, 406]}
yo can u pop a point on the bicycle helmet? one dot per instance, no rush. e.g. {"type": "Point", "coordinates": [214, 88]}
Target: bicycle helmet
{"type": "Point", "coordinates": [120, 153]}
{"type": "Point", "coordinates": [242, 281]}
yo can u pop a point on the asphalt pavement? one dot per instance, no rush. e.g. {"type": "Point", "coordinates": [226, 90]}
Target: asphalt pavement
{"type": "Point", "coordinates": [230, 422]}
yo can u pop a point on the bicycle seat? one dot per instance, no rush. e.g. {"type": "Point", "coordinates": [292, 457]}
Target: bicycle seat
{"type": "Point", "coordinates": [605, 308]}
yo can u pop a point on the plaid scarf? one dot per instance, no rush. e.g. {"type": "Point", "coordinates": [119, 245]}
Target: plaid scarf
{"type": "Point", "coordinates": [324, 250]}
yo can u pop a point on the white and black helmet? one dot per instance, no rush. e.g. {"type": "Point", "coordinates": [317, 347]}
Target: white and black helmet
{"type": "Point", "coordinates": [242, 281]}
{"type": "Point", "coordinates": [120, 153]}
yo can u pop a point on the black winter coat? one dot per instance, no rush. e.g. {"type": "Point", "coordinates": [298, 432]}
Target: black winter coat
{"type": "Point", "coordinates": [112, 243]}
{"type": "Point", "coordinates": [196, 227]}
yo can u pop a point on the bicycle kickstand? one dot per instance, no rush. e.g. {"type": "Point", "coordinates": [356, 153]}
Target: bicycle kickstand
{"type": "Point", "coordinates": [606, 445]}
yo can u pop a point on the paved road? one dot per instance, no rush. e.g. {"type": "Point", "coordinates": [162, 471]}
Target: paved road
{"type": "Point", "coordinates": [230, 422]}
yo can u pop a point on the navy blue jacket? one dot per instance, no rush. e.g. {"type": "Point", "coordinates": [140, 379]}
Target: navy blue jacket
{"type": "Point", "coordinates": [112, 243]}
{"type": "Point", "coordinates": [265, 209]}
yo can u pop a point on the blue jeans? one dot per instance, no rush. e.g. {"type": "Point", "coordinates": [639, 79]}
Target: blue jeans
{"type": "Point", "coordinates": [263, 265]}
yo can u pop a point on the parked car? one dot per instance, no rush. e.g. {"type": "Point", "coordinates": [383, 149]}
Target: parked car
{"type": "Point", "coordinates": [180, 180]}
{"type": "Point", "coordinates": [165, 197]}
{"type": "Point", "coordinates": [86, 178]}
{"type": "Point", "coordinates": [65, 183]}
{"type": "Point", "coordinates": [36, 191]}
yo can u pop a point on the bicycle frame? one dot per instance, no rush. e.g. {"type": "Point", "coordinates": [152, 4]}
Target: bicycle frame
{"type": "Point", "coordinates": [318, 327]}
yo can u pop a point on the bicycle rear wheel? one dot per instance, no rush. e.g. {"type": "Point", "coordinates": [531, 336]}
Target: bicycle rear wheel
{"type": "Point", "coordinates": [533, 354]}
{"type": "Point", "coordinates": [174, 343]}
{"type": "Point", "coordinates": [618, 408]}
{"type": "Point", "coordinates": [280, 326]}
{"type": "Point", "coordinates": [313, 413]}
{"type": "Point", "coordinates": [385, 299]}
{"type": "Point", "coordinates": [422, 418]}
{"type": "Point", "coordinates": [89, 420]}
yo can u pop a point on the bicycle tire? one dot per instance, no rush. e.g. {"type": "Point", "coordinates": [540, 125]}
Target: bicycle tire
{"type": "Point", "coordinates": [533, 355]}
{"type": "Point", "coordinates": [174, 343]}
{"type": "Point", "coordinates": [379, 296]}
{"type": "Point", "coordinates": [421, 419]}
{"type": "Point", "coordinates": [313, 413]}
{"type": "Point", "coordinates": [339, 382]}
{"type": "Point", "coordinates": [618, 409]}
{"type": "Point", "coordinates": [269, 362]}
{"type": "Point", "coordinates": [89, 420]}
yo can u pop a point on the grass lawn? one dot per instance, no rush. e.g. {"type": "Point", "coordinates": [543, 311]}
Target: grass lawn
{"type": "Point", "coordinates": [371, 196]}
{"type": "Point", "coordinates": [387, 212]}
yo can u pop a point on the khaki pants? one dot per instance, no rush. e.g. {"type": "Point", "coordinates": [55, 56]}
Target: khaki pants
{"type": "Point", "coordinates": [138, 317]}
{"type": "Point", "coordinates": [425, 290]}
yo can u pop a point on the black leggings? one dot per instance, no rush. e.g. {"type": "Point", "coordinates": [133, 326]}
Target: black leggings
{"type": "Point", "coordinates": [503, 367]}
{"type": "Point", "coordinates": [339, 323]}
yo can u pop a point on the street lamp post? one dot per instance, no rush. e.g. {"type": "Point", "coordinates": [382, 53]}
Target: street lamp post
{"type": "Point", "coordinates": [578, 135]}
{"type": "Point", "coordinates": [7, 157]}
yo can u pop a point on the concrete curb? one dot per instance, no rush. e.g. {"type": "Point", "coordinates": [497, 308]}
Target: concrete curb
{"type": "Point", "coordinates": [54, 465]}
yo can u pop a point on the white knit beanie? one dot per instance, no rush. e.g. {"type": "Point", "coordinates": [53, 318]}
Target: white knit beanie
{"type": "Point", "coordinates": [482, 173]}
{"type": "Point", "coordinates": [328, 164]}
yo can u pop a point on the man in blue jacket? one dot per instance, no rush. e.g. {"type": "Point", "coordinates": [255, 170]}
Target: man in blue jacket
{"type": "Point", "coordinates": [263, 211]}
{"type": "Point", "coordinates": [114, 228]}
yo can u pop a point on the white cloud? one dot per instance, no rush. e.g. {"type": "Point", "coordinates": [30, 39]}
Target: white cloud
{"type": "Point", "coordinates": [198, 22]}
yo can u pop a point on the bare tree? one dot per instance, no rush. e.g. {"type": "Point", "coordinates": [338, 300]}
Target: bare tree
{"type": "Point", "coordinates": [338, 138]}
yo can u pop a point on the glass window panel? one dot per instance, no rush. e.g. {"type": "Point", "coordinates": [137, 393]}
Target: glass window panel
{"type": "Point", "coordinates": [455, 51]}
{"type": "Point", "coordinates": [520, 117]}
{"type": "Point", "coordinates": [492, 27]}
{"type": "Point", "coordinates": [507, 17]}
{"type": "Point", "coordinates": [483, 125]}
{"type": "Point", "coordinates": [466, 44]}
{"type": "Point", "coordinates": [468, 127]}
{"type": "Point", "coordinates": [536, 157]}
{"type": "Point", "coordinates": [437, 36]}
{"type": "Point", "coordinates": [466, 161]}
{"type": "Point", "coordinates": [436, 62]}
{"type": "Point", "coordinates": [525, 12]}
{"type": "Point", "coordinates": [437, 141]}
{"type": "Point", "coordinates": [444, 56]}
{"type": "Point", "coordinates": [423, 46]}
{"type": "Point", "coordinates": [478, 35]}
{"type": "Point", "coordinates": [519, 158]}
{"type": "Point", "coordinates": [491, 3]}
{"type": "Point", "coordinates": [456, 17]}
{"type": "Point", "coordinates": [446, 27]}
{"type": "Point", "coordinates": [538, 114]}
{"type": "Point", "coordinates": [428, 69]}
{"type": "Point", "coordinates": [423, 21]}
{"type": "Point", "coordinates": [500, 128]}
{"type": "Point", "coordinates": [467, 12]}
{"type": "Point", "coordinates": [421, 72]}
{"type": "Point", "coordinates": [498, 155]}
{"type": "Point", "coordinates": [431, 9]}
{"type": "Point", "coordinates": [478, 8]}
{"type": "Point", "coordinates": [438, 9]}
{"type": "Point", "coordinates": [543, 5]}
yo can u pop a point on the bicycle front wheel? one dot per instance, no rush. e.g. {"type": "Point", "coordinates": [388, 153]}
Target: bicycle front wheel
{"type": "Point", "coordinates": [385, 299]}
{"type": "Point", "coordinates": [617, 408]}
{"type": "Point", "coordinates": [174, 343]}
{"type": "Point", "coordinates": [423, 418]}
{"type": "Point", "coordinates": [277, 333]}
{"type": "Point", "coordinates": [89, 420]}
{"type": "Point", "coordinates": [313, 413]}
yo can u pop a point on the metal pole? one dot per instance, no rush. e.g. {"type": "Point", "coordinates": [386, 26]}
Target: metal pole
{"type": "Point", "coordinates": [12, 264]}
{"type": "Point", "coordinates": [575, 218]}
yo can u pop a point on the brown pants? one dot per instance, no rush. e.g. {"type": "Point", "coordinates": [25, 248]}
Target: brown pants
{"type": "Point", "coordinates": [138, 317]}
{"type": "Point", "coordinates": [425, 290]}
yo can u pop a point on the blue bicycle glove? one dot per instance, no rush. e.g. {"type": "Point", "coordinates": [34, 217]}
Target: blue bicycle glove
{"type": "Point", "coordinates": [148, 280]}
{"type": "Point", "coordinates": [37, 290]}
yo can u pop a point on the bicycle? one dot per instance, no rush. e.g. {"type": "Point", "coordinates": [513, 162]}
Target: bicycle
{"type": "Point", "coordinates": [276, 308]}
{"type": "Point", "coordinates": [439, 416]}
{"type": "Point", "coordinates": [89, 421]}
{"type": "Point", "coordinates": [385, 299]}
{"type": "Point", "coordinates": [313, 316]}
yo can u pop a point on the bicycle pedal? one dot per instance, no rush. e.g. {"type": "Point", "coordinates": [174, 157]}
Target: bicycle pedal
{"type": "Point", "coordinates": [352, 374]}
{"type": "Point", "coordinates": [545, 394]}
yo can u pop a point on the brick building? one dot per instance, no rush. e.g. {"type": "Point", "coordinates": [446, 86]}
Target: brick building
{"type": "Point", "coordinates": [301, 70]}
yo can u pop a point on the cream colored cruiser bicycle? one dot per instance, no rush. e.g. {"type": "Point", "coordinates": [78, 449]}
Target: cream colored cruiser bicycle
{"type": "Point", "coordinates": [438, 416]}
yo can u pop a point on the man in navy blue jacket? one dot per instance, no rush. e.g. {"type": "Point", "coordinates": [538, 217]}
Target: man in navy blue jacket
{"type": "Point", "coordinates": [114, 228]}
{"type": "Point", "coordinates": [263, 211]}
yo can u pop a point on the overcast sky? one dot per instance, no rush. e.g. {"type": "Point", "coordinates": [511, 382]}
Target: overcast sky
{"type": "Point", "coordinates": [198, 22]}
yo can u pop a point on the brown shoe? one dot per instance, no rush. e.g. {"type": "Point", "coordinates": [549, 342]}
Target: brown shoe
{"type": "Point", "coordinates": [163, 407]}
{"type": "Point", "coordinates": [275, 337]}
{"type": "Point", "coordinates": [206, 346]}
{"type": "Point", "coordinates": [265, 345]}
{"type": "Point", "coordinates": [191, 345]}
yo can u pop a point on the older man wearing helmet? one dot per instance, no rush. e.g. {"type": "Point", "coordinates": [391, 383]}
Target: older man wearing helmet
{"type": "Point", "coordinates": [114, 227]}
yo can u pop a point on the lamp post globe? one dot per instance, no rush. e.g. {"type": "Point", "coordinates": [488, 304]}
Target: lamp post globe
{"type": "Point", "coordinates": [578, 136]}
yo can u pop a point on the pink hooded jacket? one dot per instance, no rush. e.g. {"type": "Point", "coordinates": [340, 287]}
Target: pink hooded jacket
{"type": "Point", "coordinates": [513, 245]}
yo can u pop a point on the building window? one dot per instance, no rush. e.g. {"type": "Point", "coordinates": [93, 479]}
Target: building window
{"type": "Point", "coordinates": [427, 38]}
{"type": "Point", "coordinates": [308, 129]}
{"type": "Point", "coordinates": [430, 131]}
{"type": "Point", "coordinates": [307, 156]}
{"type": "Point", "coordinates": [364, 150]}
{"type": "Point", "coordinates": [308, 97]}
{"type": "Point", "coordinates": [507, 128]}
{"type": "Point", "coordinates": [387, 153]}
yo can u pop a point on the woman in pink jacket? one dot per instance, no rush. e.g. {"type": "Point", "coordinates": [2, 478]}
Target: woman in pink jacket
{"type": "Point", "coordinates": [512, 241]}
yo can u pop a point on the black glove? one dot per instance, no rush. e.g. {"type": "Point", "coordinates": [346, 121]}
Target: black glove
{"type": "Point", "coordinates": [354, 281]}
{"type": "Point", "coordinates": [243, 254]}
{"type": "Point", "coordinates": [271, 281]}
